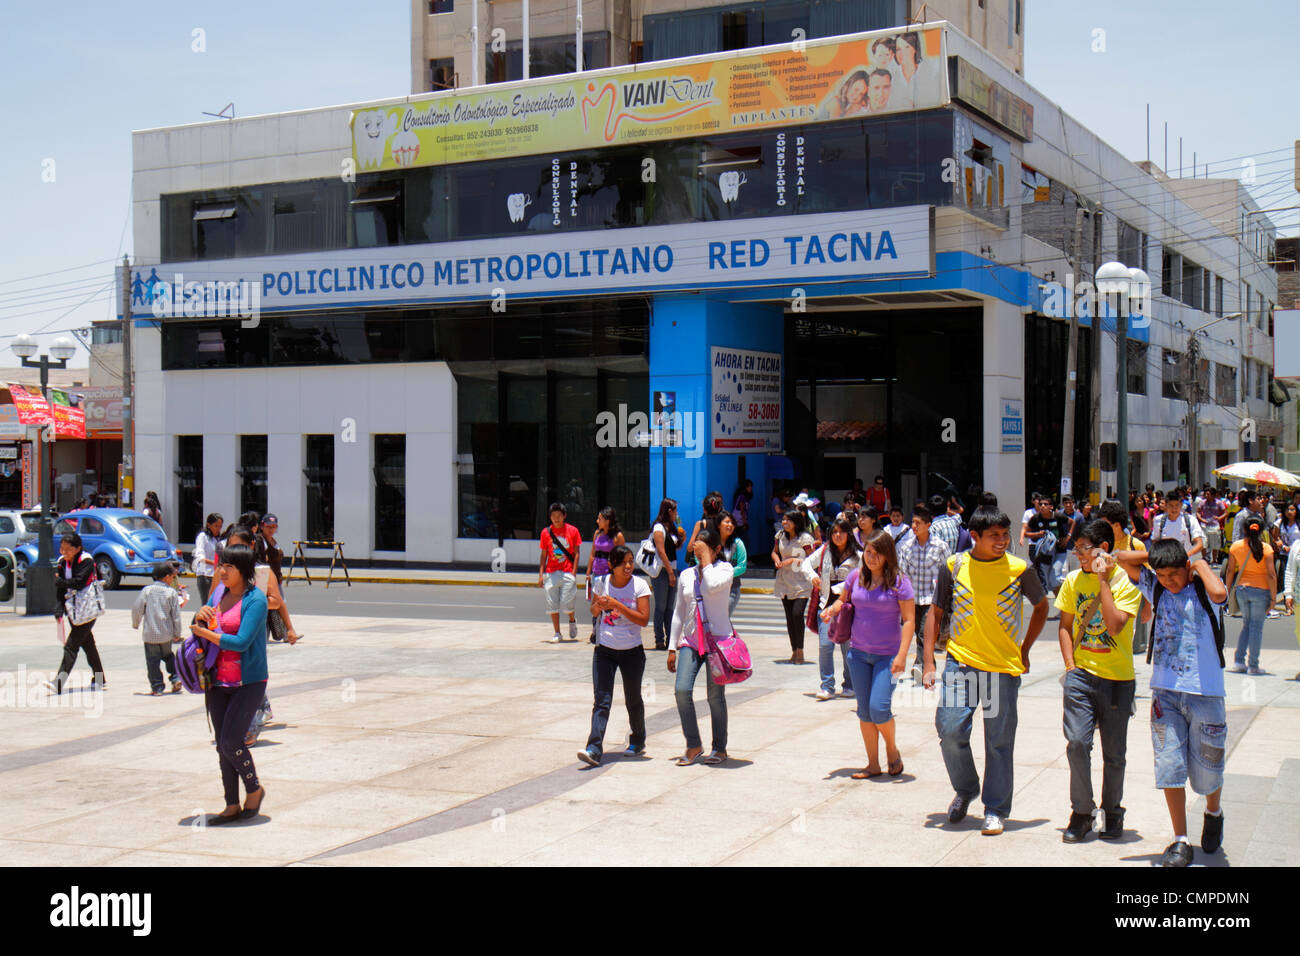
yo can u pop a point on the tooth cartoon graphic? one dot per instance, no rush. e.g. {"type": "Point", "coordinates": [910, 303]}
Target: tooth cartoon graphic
{"type": "Point", "coordinates": [370, 132]}
{"type": "Point", "coordinates": [730, 183]}
{"type": "Point", "coordinates": [516, 204]}
{"type": "Point", "coordinates": [406, 147]}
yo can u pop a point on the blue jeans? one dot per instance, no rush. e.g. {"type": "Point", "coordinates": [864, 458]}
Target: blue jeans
{"type": "Point", "coordinates": [964, 689]}
{"type": "Point", "coordinates": [155, 655]}
{"type": "Point", "coordinates": [1058, 567]}
{"type": "Point", "coordinates": [688, 665]}
{"type": "Point", "coordinates": [665, 596]}
{"type": "Point", "coordinates": [826, 658]}
{"type": "Point", "coordinates": [1254, 610]}
{"type": "Point", "coordinates": [875, 685]}
{"type": "Point", "coordinates": [734, 598]}
{"type": "Point", "coordinates": [1189, 736]}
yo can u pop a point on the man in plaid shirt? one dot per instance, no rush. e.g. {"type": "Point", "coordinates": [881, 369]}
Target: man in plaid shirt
{"type": "Point", "coordinates": [920, 557]}
{"type": "Point", "coordinates": [947, 520]}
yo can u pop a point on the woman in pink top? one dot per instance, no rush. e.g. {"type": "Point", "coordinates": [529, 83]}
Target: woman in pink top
{"type": "Point", "coordinates": [881, 596]}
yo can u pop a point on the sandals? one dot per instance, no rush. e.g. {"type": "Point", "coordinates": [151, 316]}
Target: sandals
{"type": "Point", "coordinates": [685, 761]}
{"type": "Point", "coordinates": [714, 758]}
{"type": "Point", "coordinates": [865, 774]}
{"type": "Point", "coordinates": [899, 765]}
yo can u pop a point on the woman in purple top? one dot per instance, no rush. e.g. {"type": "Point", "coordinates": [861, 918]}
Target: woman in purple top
{"type": "Point", "coordinates": [881, 597]}
{"type": "Point", "coordinates": [608, 536]}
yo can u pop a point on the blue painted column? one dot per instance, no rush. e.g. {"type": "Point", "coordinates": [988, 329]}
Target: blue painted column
{"type": "Point", "coordinates": [683, 328]}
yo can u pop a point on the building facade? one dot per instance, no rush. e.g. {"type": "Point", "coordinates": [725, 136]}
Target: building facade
{"type": "Point", "coordinates": [407, 326]}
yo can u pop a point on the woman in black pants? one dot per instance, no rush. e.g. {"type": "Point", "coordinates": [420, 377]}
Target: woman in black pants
{"type": "Point", "coordinates": [75, 573]}
{"type": "Point", "coordinates": [792, 545]}
{"type": "Point", "coordinates": [236, 623]}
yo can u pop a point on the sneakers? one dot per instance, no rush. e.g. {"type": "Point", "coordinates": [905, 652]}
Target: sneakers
{"type": "Point", "coordinates": [634, 751]}
{"type": "Point", "coordinates": [957, 809]}
{"type": "Point", "coordinates": [176, 687]}
{"type": "Point", "coordinates": [1114, 828]}
{"type": "Point", "coordinates": [1212, 832]}
{"type": "Point", "coordinates": [589, 758]}
{"type": "Point", "coordinates": [1078, 829]}
{"type": "Point", "coordinates": [1255, 671]}
{"type": "Point", "coordinates": [1273, 614]}
{"type": "Point", "coordinates": [573, 630]}
{"type": "Point", "coordinates": [847, 693]}
{"type": "Point", "coordinates": [1235, 668]}
{"type": "Point", "coordinates": [1177, 853]}
{"type": "Point", "coordinates": [825, 694]}
{"type": "Point", "coordinates": [993, 824]}
{"type": "Point", "coordinates": [557, 639]}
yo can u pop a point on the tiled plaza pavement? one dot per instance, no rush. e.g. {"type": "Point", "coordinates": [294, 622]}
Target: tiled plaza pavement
{"type": "Point", "coordinates": [414, 742]}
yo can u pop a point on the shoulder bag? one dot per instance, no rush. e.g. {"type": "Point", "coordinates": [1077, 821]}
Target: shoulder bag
{"type": "Point", "coordinates": [842, 625]}
{"type": "Point", "coordinates": [729, 660]}
{"type": "Point", "coordinates": [814, 600]}
{"type": "Point", "coordinates": [85, 605]}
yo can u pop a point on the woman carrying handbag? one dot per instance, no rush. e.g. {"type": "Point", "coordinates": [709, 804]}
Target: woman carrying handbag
{"type": "Point", "coordinates": [828, 568]}
{"type": "Point", "coordinates": [715, 590]}
{"type": "Point", "coordinates": [80, 595]}
{"type": "Point", "coordinates": [881, 596]}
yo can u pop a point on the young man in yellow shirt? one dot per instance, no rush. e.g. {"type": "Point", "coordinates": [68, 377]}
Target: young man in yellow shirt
{"type": "Point", "coordinates": [982, 591]}
{"type": "Point", "coordinates": [1098, 605]}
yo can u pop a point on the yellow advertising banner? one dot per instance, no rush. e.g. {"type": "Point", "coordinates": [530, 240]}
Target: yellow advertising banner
{"type": "Point", "coordinates": [865, 74]}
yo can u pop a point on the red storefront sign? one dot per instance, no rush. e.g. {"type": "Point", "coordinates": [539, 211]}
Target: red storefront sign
{"type": "Point", "coordinates": [32, 407]}
{"type": "Point", "coordinates": [29, 477]}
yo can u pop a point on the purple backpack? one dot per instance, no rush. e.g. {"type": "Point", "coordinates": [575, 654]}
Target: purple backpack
{"type": "Point", "coordinates": [196, 664]}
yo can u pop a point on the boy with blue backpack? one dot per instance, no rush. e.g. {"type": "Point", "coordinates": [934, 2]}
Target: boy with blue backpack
{"type": "Point", "coordinates": [1188, 713]}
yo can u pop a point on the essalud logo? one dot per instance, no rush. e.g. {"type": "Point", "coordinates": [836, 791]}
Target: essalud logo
{"type": "Point", "coordinates": [236, 299]}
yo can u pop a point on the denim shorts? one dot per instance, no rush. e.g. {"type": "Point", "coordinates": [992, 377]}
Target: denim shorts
{"type": "Point", "coordinates": [1189, 736]}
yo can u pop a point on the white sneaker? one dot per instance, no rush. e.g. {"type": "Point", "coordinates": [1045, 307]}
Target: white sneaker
{"type": "Point", "coordinates": [825, 694]}
{"type": "Point", "coordinates": [992, 824]}
{"type": "Point", "coordinates": [573, 630]}
{"type": "Point", "coordinates": [847, 693]}
{"type": "Point", "coordinates": [557, 639]}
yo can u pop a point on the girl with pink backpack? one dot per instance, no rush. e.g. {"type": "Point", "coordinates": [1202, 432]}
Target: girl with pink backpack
{"type": "Point", "coordinates": [702, 633]}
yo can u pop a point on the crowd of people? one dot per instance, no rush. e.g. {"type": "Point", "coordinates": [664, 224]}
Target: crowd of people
{"type": "Point", "coordinates": [1122, 581]}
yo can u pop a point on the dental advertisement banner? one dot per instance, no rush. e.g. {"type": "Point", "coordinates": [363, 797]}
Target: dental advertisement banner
{"type": "Point", "coordinates": [866, 74]}
{"type": "Point", "coordinates": [745, 401]}
{"type": "Point", "coordinates": [793, 251]}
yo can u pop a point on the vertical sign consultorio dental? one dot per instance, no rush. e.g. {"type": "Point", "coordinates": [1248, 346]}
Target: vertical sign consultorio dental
{"type": "Point", "coordinates": [745, 400]}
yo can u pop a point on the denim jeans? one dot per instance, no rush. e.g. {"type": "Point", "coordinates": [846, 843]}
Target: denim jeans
{"type": "Point", "coordinates": [734, 598]}
{"type": "Point", "coordinates": [1058, 567]}
{"type": "Point", "coordinates": [875, 685]}
{"type": "Point", "coordinates": [965, 688]}
{"type": "Point", "coordinates": [155, 655]}
{"type": "Point", "coordinates": [1254, 610]}
{"type": "Point", "coordinates": [665, 597]}
{"type": "Point", "coordinates": [1189, 736]}
{"type": "Point", "coordinates": [1092, 704]}
{"type": "Point", "coordinates": [605, 662]}
{"type": "Point", "coordinates": [826, 658]}
{"type": "Point", "coordinates": [688, 665]}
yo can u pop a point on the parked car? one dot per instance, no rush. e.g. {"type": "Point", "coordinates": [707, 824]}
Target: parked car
{"type": "Point", "coordinates": [17, 527]}
{"type": "Point", "coordinates": [122, 542]}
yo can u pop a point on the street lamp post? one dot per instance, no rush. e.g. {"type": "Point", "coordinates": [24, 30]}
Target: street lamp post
{"type": "Point", "coordinates": [1128, 285]}
{"type": "Point", "coordinates": [40, 576]}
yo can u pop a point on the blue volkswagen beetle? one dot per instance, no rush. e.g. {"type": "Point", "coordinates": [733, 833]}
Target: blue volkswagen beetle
{"type": "Point", "coordinates": [120, 540]}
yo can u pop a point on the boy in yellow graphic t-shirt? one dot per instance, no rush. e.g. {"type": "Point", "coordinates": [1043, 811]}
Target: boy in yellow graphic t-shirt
{"type": "Point", "coordinates": [982, 591]}
{"type": "Point", "coordinates": [1098, 605]}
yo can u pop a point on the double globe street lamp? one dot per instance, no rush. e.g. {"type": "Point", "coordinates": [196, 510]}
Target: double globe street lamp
{"type": "Point", "coordinates": [40, 576]}
{"type": "Point", "coordinates": [1129, 286]}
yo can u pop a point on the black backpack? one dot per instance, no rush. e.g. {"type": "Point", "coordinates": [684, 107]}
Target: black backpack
{"type": "Point", "coordinates": [1216, 625]}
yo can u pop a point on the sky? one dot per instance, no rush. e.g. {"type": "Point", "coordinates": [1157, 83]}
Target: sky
{"type": "Point", "coordinates": [78, 82]}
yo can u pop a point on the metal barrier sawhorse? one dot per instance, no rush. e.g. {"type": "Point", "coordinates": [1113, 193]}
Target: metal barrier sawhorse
{"type": "Point", "coordinates": [336, 546]}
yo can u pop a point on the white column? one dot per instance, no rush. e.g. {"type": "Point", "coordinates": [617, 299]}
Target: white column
{"type": "Point", "coordinates": [286, 496]}
{"type": "Point", "coordinates": [220, 483]}
{"type": "Point", "coordinates": [1004, 357]}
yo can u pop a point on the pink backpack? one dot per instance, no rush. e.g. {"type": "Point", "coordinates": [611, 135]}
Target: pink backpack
{"type": "Point", "coordinates": [729, 661]}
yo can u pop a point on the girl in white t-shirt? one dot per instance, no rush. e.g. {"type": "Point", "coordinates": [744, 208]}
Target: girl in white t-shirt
{"type": "Point", "coordinates": [620, 602]}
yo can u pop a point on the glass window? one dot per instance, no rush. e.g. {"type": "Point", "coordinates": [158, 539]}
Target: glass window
{"type": "Point", "coordinates": [377, 214]}
{"type": "Point", "coordinates": [477, 447]}
{"type": "Point", "coordinates": [189, 486]}
{"type": "Point", "coordinates": [1171, 382]}
{"type": "Point", "coordinates": [390, 492]}
{"type": "Point", "coordinates": [6, 525]}
{"type": "Point", "coordinates": [442, 74]}
{"type": "Point", "coordinates": [91, 526]}
{"type": "Point", "coordinates": [252, 474]}
{"type": "Point", "coordinates": [1225, 385]}
{"type": "Point", "coordinates": [135, 523]}
{"type": "Point", "coordinates": [441, 6]}
{"type": "Point", "coordinates": [319, 475]}
{"type": "Point", "coordinates": [550, 56]}
{"type": "Point", "coordinates": [1137, 367]}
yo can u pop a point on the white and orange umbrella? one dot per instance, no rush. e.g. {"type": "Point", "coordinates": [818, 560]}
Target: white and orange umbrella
{"type": "Point", "coordinates": [1260, 472]}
